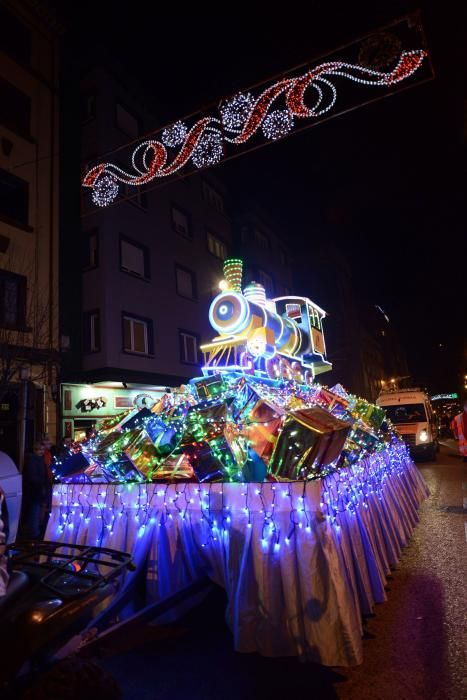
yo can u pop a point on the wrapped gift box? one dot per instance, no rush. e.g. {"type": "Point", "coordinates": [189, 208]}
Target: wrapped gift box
{"type": "Point", "coordinates": [177, 467]}
{"type": "Point", "coordinates": [208, 387]}
{"type": "Point", "coordinates": [205, 465]}
{"type": "Point", "coordinates": [142, 454]}
{"type": "Point", "coordinates": [261, 426]}
{"type": "Point", "coordinates": [310, 440]}
{"type": "Point", "coordinates": [164, 437]}
{"type": "Point", "coordinates": [205, 421]}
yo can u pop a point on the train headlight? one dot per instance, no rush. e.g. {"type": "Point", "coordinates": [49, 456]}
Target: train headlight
{"type": "Point", "coordinates": [257, 346]}
{"type": "Point", "coordinates": [225, 310]}
{"type": "Point", "coordinates": [423, 437]}
{"type": "Point", "coordinates": [229, 313]}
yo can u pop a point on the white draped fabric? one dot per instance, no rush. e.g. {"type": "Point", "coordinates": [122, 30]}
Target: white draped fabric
{"type": "Point", "coordinates": [300, 562]}
{"type": "Point", "coordinates": [4, 578]}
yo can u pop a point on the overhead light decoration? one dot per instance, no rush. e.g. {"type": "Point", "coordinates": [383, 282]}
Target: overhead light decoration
{"type": "Point", "coordinates": [174, 135]}
{"type": "Point", "coordinates": [275, 112]}
{"type": "Point", "coordinates": [105, 191]}
{"type": "Point", "coordinates": [209, 149]}
{"type": "Point", "coordinates": [236, 111]}
{"type": "Point", "coordinates": [277, 124]}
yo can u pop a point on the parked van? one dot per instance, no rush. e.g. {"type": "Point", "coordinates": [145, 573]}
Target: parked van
{"type": "Point", "coordinates": [410, 412]}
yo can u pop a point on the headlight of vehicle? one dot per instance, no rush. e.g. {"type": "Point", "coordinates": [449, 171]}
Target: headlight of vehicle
{"type": "Point", "coordinates": [423, 436]}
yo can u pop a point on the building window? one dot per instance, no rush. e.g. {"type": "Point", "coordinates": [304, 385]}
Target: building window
{"type": "Point", "coordinates": [181, 222]}
{"type": "Point", "coordinates": [185, 282]}
{"type": "Point", "coordinates": [213, 197]}
{"type": "Point", "coordinates": [137, 334]}
{"type": "Point", "coordinates": [217, 247]}
{"type": "Point", "coordinates": [15, 37]}
{"type": "Point", "coordinates": [261, 240]}
{"type": "Point", "coordinates": [266, 281]}
{"type": "Point", "coordinates": [88, 107]}
{"type": "Point", "coordinates": [188, 347]}
{"type": "Point", "coordinates": [14, 199]}
{"type": "Point", "coordinates": [16, 109]}
{"type": "Point", "coordinates": [126, 122]}
{"type": "Point", "coordinates": [91, 250]}
{"type": "Point", "coordinates": [92, 331]}
{"type": "Point", "coordinates": [12, 300]}
{"type": "Point", "coordinates": [134, 258]}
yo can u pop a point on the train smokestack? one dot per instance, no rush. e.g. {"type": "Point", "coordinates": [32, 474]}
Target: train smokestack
{"type": "Point", "coordinates": [233, 270]}
{"type": "Point", "coordinates": [256, 293]}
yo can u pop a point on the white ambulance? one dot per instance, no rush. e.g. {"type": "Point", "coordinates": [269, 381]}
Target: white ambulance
{"type": "Point", "coordinates": [409, 410]}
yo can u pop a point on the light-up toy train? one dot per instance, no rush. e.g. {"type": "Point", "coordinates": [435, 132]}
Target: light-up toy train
{"type": "Point", "coordinates": [274, 338]}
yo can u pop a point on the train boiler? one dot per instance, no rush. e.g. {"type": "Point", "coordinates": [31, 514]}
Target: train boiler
{"type": "Point", "coordinates": [275, 338]}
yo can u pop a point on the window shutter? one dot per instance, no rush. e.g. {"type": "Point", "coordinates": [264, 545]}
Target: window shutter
{"type": "Point", "coordinates": [149, 330]}
{"type": "Point", "coordinates": [133, 258]}
{"type": "Point", "coordinates": [87, 332]}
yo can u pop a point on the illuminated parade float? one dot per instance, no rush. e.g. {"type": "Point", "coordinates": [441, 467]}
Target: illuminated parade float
{"type": "Point", "coordinates": [296, 498]}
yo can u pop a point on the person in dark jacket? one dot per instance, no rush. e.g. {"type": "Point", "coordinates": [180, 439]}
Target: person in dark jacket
{"type": "Point", "coordinates": [50, 452]}
{"type": "Point", "coordinates": [36, 486]}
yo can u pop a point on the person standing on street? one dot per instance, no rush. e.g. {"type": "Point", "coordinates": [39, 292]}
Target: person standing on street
{"type": "Point", "coordinates": [35, 494]}
{"type": "Point", "coordinates": [459, 428]}
{"type": "Point", "coordinates": [49, 458]}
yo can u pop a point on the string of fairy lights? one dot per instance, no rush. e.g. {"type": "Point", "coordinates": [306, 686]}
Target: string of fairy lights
{"type": "Point", "coordinates": [278, 512]}
{"type": "Point", "coordinates": [240, 118]}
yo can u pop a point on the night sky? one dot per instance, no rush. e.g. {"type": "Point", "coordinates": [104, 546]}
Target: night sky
{"type": "Point", "coordinates": [383, 183]}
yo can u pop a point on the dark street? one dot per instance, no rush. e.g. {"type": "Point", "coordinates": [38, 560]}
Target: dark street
{"type": "Point", "coordinates": [413, 646]}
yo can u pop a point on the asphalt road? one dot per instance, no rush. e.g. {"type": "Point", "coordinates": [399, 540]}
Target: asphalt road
{"type": "Point", "coordinates": [414, 646]}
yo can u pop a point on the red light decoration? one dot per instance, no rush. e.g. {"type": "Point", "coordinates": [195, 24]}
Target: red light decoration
{"type": "Point", "coordinates": [240, 118]}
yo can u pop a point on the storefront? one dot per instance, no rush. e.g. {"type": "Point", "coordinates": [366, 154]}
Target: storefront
{"type": "Point", "coordinates": [83, 405]}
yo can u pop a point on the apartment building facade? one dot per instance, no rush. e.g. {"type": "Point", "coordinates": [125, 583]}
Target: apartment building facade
{"type": "Point", "coordinates": [29, 172]}
{"type": "Point", "coordinates": [138, 277]}
{"type": "Point", "coordinates": [143, 274]}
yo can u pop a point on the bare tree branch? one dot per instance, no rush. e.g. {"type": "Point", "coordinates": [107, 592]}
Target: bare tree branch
{"type": "Point", "coordinates": [28, 345]}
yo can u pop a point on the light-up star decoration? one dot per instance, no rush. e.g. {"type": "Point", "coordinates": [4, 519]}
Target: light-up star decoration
{"type": "Point", "coordinates": [274, 112]}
